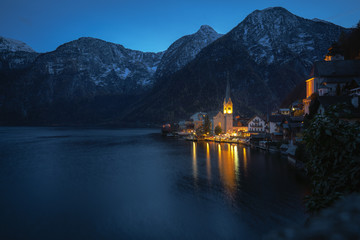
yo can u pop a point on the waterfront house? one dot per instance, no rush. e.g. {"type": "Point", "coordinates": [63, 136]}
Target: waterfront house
{"type": "Point", "coordinates": [274, 127]}
{"type": "Point", "coordinates": [240, 126]}
{"type": "Point", "coordinates": [198, 119]}
{"type": "Point", "coordinates": [293, 128]}
{"type": "Point", "coordinates": [256, 125]}
{"type": "Point", "coordinates": [332, 78]}
{"type": "Point", "coordinates": [186, 126]}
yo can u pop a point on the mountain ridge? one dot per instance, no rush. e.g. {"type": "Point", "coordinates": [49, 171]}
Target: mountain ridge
{"type": "Point", "coordinates": [265, 56]}
{"type": "Point", "coordinates": [89, 80]}
{"type": "Point", "coordinates": [87, 71]}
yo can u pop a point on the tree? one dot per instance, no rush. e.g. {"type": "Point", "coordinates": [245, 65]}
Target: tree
{"type": "Point", "coordinates": [338, 90]}
{"type": "Point", "coordinates": [314, 105]}
{"type": "Point", "coordinates": [334, 158]}
{"type": "Point", "coordinates": [350, 43]}
{"type": "Point", "coordinates": [206, 125]}
{"type": "Point", "coordinates": [218, 130]}
{"type": "Point", "coordinates": [200, 130]}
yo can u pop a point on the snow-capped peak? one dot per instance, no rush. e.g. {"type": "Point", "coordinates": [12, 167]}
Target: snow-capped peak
{"type": "Point", "coordinates": [185, 49]}
{"type": "Point", "coordinates": [206, 28]}
{"type": "Point", "coordinates": [272, 33]}
{"type": "Point", "coordinates": [320, 20]}
{"type": "Point", "coordinates": [12, 45]}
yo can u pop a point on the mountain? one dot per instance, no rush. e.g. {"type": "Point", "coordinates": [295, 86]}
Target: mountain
{"type": "Point", "coordinates": [184, 50]}
{"type": "Point", "coordinates": [102, 66]}
{"type": "Point", "coordinates": [77, 81]}
{"type": "Point", "coordinates": [266, 56]}
{"type": "Point", "coordinates": [15, 54]}
{"type": "Point", "coordinates": [274, 34]}
{"type": "Point", "coordinates": [91, 81]}
{"type": "Point", "coordinates": [86, 80]}
{"type": "Point", "coordinates": [11, 45]}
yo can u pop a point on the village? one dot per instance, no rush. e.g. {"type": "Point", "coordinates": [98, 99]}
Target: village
{"type": "Point", "coordinates": [332, 81]}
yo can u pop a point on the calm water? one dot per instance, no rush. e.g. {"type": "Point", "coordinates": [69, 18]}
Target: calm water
{"type": "Point", "coordinates": [61, 183]}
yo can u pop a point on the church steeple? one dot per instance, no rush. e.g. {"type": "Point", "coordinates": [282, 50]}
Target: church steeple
{"type": "Point", "coordinates": [227, 95]}
{"type": "Point", "coordinates": [228, 106]}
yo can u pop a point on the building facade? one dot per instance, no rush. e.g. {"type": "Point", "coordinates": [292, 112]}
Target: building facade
{"type": "Point", "coordinates": [334, 77]}
{"type": "Point", "coordinates": [224, 119]}
{"type": "Point", "coordinates": [256, 125]}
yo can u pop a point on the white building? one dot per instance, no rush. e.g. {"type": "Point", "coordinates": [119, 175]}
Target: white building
{"type": "Point", "coordinates": [256, 125]}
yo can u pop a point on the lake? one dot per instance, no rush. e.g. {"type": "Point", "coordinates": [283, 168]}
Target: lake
{"type": "Point", "coordinates": [69, 183]}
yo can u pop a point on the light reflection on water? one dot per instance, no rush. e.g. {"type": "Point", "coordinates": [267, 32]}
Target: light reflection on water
{"type": "Point", "coordinates": [227, 158]}
{"type": "Point", "coordinates": [208, 163]}
{"type": "Point", "coordinates": [135, 184]}
{"type": "Point", "coordinates": [194, 161]}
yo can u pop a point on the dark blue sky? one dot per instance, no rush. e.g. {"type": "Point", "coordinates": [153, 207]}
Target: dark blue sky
{"type": "Point", "coordinates": [146, 25]}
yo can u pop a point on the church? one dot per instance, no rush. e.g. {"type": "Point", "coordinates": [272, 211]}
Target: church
{"type": "Point", "coordinates": [224, 118]}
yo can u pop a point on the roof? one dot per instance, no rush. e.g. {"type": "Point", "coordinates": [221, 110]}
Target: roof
{"type": "Point", "coordinates": [255, 117]}
{"type": "Point", "coordinates": [277, 133]}
{"type": "Point", "coordinates": [213, 114]}
{"type": "Point", "coordinates": [259, 136]}
{"type": "Point", "coordinates": [276, 118]}
{"type": "Point", "coordinates": [292, 125]}
{"type": "Point", "coordinates": [339, 80]}
{"type": "Point", "coordinates": [341, 68]}
{"type": "Point", "coordinates": [195, 116]}
{"type": "Point", "coordinates": [327, 101]}
{"type": "Point", "coordinates": [296, 125]}
{"type": "Point", "coordinates": [297, 119]}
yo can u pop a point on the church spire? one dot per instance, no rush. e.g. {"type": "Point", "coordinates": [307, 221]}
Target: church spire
{"type": "Point", "coordinates": [228, 106]}
{"type": "Point", "coordinates": [227, 95]}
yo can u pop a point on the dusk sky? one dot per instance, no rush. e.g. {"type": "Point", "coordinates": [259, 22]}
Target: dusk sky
{"type": "Point", "coordinates": [146, 25]}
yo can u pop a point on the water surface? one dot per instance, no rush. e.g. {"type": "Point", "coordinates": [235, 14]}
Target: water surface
{"type": "Point", "coordinates": [61, 183]}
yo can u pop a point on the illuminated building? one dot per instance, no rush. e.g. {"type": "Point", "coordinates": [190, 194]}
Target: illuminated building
{"type": "Point", "coordinates": [228, 109]}
{"type": "Point", "coordinates": [332, 77]}
{"type": "Point", "coordinates": [224, 118]}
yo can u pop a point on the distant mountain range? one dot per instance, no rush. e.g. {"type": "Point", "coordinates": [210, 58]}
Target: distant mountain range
{"type": "Point", "coordinates": [90, 81]}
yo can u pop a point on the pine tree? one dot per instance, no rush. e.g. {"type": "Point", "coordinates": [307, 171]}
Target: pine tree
{"type": "Point", "coordinates": [218, 130]}
{"type": "Point", "coordinates": [207, 125]}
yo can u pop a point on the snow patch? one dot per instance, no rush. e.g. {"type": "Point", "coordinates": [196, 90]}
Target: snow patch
{"type": "Point", "coordinates": [265, 41]}
{"type": "Point", "coordinates": [271, 59]}
{"type": "Point", "coordinates": [145, 82]}
{"type": "Point", "coordinates": [152, 69]}
{"type": "Point", "coordinates": [125, 73]}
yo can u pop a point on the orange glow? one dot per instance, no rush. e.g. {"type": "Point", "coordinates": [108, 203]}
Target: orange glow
{"type": "Point", "coordinates": [228, 164]}
{"type": "Point", "coordinates": [194, 161]}
{"type": "Point", "coordinates": [228, 107]}
{"type": "Point", "coordinates": [236, 161]}
{"type": "Point", "coordinates": [208, 163]}
{"type": "Point", "coordinates": [219, 157]}
{"type": "Point", "coordinates": [310, 87]}
{"type": "Point", "coordinates": [245, 159]}
{"type": "Point", "coordinates": [227, 169]}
